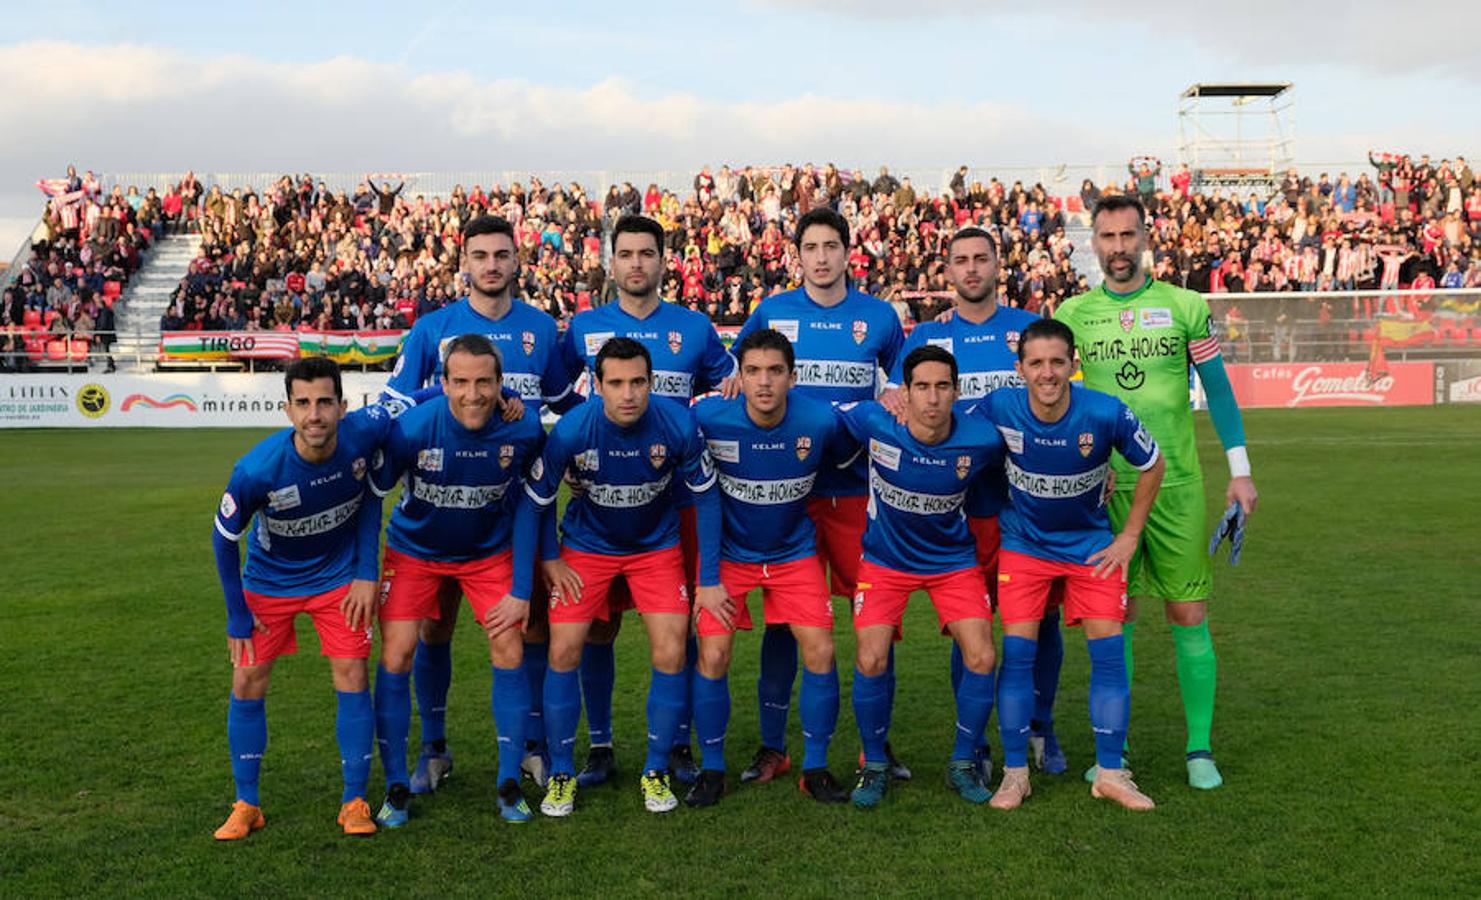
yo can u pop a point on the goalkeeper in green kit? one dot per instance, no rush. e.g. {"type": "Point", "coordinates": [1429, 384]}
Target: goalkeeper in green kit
{"type": "Point", "coordinates": [1137, 337]}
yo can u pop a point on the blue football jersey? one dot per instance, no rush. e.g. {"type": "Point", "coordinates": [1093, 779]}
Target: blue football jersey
{"type": "Point", "coordinates": [688, 358]}
{"type": "Point", "coordinates": [304, 517]}
{"type": "Point", "coordinates": [1057, 471]}
{"type": "Point", "coordinates": [840, 350]}
{"type": "Point", "coordinates": [528, 342]}
{"type": "Point", "coordinates": [628, 477]}
{"type": "Point", "coordinates": [917, 522]}
{"type": "Point", "coordinates": [985, 354]}
{"type": "Point", "coordinates": [462, 488]}
{"type": "Point", "coordinates": [766, 474]}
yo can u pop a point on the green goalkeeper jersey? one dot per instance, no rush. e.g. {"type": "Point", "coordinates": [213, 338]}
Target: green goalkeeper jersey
{"type": "Point", "coordinates": [1139, 347]}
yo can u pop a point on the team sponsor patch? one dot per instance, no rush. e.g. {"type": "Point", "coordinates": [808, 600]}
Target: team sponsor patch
{"type": "Point", "coordinates": [787, 327]}
{"type": "Point", "coordinates": [1087, 443]}
{"type": "Point", "coordinates": [596, 339]}
{"type": "Point", "coordinates": [283, 498]}
{"type": "Point", "coordinates": [506, 455]}
{"type": "Point", "coordinates": [1012, 437]}
{"type": "Point", "coordinates": [676, 341]}
{"type": "Point", "coordinates": [673, 384]}
{"type": "Point", "coordinates": [527, 342]}
{"type": "Point", "coordinates": [767, 492]}
{"type": "Point", "coordinates": [963, 465]}
{"type": "Point", "coordinates": [228, 505]}
{"type": "Point", "coordinates": [357, 468]}
{"type": "Point", "coordinates": [525, 384]}
{"type": "Point", "coordinates": [458, 496]}
{"type": "Point", "coordinates": [861, 331]}
{"type": "Point", "coordinates": [430, 460]}
{"type": "Point", "coordinates": [1128, 319]}
{"type": "Point", "coordinates": [725, 451]}
{"type": "Point", "coordinates": [588, 460]}
{"type": "Point", "coordinates": [884, 454]}
{"type": "Point", "coordinates": [946, 343]}
{"type": "Point", "coordinates": [1157, 317]}
{"type": "Point", "coordinates": [804, 447]}
{"type": "Point", "coordinates": [318, 523]}
{"type": "Point", "coordinates": [835, 373]}
{"type": "Point", "coordinates": [657, 453]}
{"type": "Point", "coordinates": [626, 496]}
{"type": "Point", "coordinates": [1056, 487]}
{"type": "Point", "coordinates": [916, 502]}
{"type": "Point", "coordinates": [976, 385]}
{"type": "Point", "coordinates": [1011, 339]}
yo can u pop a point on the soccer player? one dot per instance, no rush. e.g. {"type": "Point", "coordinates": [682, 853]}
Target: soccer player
{"type": "Point", "coordinates": [1059, 442]}
{"type": "Point", "coordinates": [917, 539]}
{"type": "Point", "coordinates": [1137, 339]}
{"type": "Point", "coordinates": [983, 336]}
{"type": "Point", "coordinates": [455, 524]}
{"type": "Point", "coordinates": [627, 453]}
{"type": "Point", "coordinates": [768, 448]}
{"type": "Point", "coordinates": [312, 551]}
{"type": "Point", "coordinates": [688, 359]}
{"type": "Point", "coordinates": [528, 343]}
{"type": "Point", "coordinates": [842, 338]}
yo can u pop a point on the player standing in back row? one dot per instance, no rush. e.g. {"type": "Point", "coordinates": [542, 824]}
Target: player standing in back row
{"type": "Point", "coordinates": [842, 338]}
{"type": "Point", "coordinates": [1137, 338]}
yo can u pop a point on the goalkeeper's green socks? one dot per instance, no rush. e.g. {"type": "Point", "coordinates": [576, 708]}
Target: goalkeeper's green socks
{"type": "Point", "coordinates": [1197, 678]}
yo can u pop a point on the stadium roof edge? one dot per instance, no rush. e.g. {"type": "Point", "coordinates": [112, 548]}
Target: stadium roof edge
{"type": "Point", "coordinates": [1238, 89]}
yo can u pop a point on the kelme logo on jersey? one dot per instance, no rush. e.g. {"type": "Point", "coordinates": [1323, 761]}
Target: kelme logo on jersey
{"type": "Point", "coordinates": [963, 465]}
{"type": "Point", "coordinates": [657, 454]}
{"type": "Point", "coordinates": [804, 447]}
{"type": "Point", "coordinates": [861, 331]}
{"type": "Point", "coordinates": [527, 342]}
{"type": "Point", "coordinates": [676, 341]}
{"type": "Point", "coordinates": [1087, 443]}
{"type": "Point", "coordinates": [430, 460]}
{"type": "Point", "coordinates": [1129, 377]}
{"type": "Point", "coordinates": [1128, 319]}
{"type": "Point", "coordinates": [506, 455]}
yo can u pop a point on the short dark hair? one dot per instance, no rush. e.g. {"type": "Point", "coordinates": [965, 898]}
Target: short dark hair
{"type": "Point", "coordinates": [1114, 202]}
{"type": "Point", "coordinates": [312, 368]}
{"type": "Point", "coordinates": [623, 348]}
{"type": "Point", "coordinates": [927, 353]}
{"type": "Point", "coordinates": [1047, 328]}
{"type": "Point", "coordinates": [822, 215]}
{"type": "Point", "coordinates": [767, 339]}
{"type": "Point", "coordinates": [480, 225]}
{"type": "Point", "coordinates": [971, 231]}
{"type": "Point", "coordinates": [635, 224]}
{"type": "Point", "coordinates": [474, 345]}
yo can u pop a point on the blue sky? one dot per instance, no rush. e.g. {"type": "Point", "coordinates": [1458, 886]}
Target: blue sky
{"type": "Point", "coordinates": [344, 87]}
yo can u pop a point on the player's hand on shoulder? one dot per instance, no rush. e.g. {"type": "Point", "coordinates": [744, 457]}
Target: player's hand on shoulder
{"type": "Point", "coordinates": [717, 602]}
{"type": "Point", "coordinates": [358, 605]}
{"type": "Point", "coordinates": [513, 409]}
{"type": "Point", "coordinates": [1242, 491]}
{"type": "Point", "coordinates": [730, 387]}
{"type": "Point", "coordinates": [893, 401]}
{"type": "Point", "coordinates": [510, 612]}
{"type": "Point", "coordinates": [946, 315]}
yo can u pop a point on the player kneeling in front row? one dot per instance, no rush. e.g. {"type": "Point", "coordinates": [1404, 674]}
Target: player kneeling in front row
{"type": "Point", "coordinates": [1059, 441]}
{"type": "Point", "coordinates": [625, 452]}
{"type": "Point", "coordinates": [768, 447]}
{"type": "Point", "coordinates": [917, 539]}
{"type": "Point", "coordinates": [312, 551]}
{"type": "Point", "coordinates": [454, 526]}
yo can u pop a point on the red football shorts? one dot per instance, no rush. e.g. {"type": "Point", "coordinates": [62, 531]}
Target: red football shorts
{"type": "Point", "coordinates": [410, 587]}
{"type": "Point", "coordinates": [620, 598]}
{"type": "Point", "coordinates": [655, 578]}
{"type": "Point", "coordinates": [1026, 584]}
{"type": "Point", "coordinates": [792, 593]}
{"type": "Point", "coordinates": [883, 593]}
{"type": "Point", "coordinates": [277, 637]}
{"type": "Point", "coordinates": [988, 538]}
{"type": "Point", "coordinates": [839, 522]}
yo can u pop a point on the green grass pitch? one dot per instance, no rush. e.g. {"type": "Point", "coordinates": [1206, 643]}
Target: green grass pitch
{"type": "Point", "coordinates": [1348, 725]}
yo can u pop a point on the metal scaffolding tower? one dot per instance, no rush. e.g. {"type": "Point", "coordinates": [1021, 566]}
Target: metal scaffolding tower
{"type": "Point", "coordinates": [1236, 135]}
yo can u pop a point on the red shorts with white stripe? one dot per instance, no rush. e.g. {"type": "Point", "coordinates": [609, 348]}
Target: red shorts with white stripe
{"type": "Point", "coordinates": [411, 587]}
{"type": "Point", "coordinates": [792, 593]}
{"type": "Point", "coordinates": [276, 636]}
{"type": "Point", "coordinates": [883, 594]}
{"type": "Point", "coordinates": [1027, 583]}
{"type": "Point", "coordinates": [840, 522]}
{"type": "Point", "coordinates": [656, 579]}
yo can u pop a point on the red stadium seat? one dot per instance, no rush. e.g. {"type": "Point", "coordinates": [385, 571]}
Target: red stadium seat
{"type": "Point", "coordinates": [1074, 204]}
{"type": "Point", "coordinates": [47, 319]}
{"type": "Point", "coordinates": [79, 349]}
{"type": "Point", "coordinates": [32, 318]}
{"type": "Point", "coordinates": [36, 348]}
{"type": "Point", "coordinates": [1476, 336]}
{"type": "Point", "coordinates": [56, 351]}
{"type": "Point", "coordinates": [112, 288]}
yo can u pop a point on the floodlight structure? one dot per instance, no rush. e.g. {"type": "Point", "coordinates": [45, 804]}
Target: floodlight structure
{"type": "Point", "coordinates": [1236, 135]}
